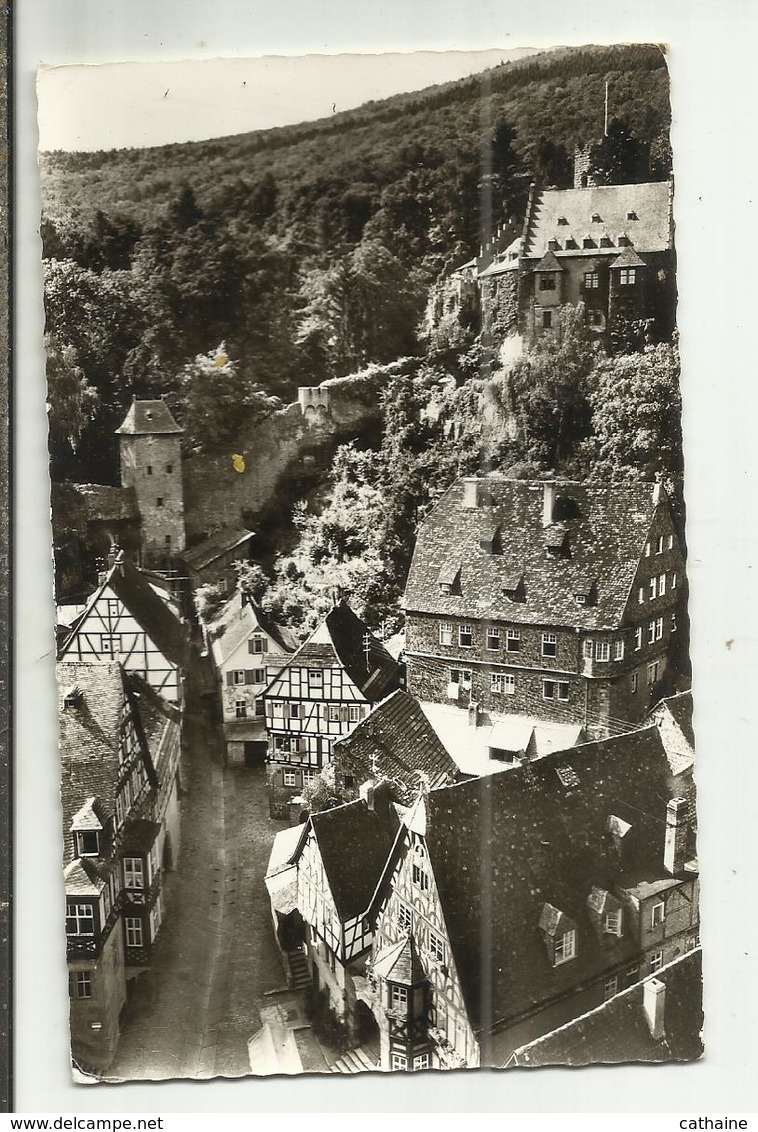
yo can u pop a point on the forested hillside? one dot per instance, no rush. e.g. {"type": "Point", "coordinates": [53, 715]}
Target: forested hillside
{"type": "Point", "coordinates": [307, 251]}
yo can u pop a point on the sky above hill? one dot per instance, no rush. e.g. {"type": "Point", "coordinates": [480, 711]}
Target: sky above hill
{"type": "Point", "coordinates": [119, 105]}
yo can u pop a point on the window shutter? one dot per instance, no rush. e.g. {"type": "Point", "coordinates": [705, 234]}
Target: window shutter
{"type": "Point", "coordinates": [249, 675]}
{"type": "Point", "coordinates": [264, 644]}
{"type": "Point", "coordinates": [229, 679]}
{"type": "Point", "coordinates": [250, 648]}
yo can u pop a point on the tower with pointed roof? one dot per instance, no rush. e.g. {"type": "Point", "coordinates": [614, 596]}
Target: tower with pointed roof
{"type": "Point", "coordinates": [150, 448]}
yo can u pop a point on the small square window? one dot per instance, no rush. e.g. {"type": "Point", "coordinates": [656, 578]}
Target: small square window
{"type": "Point", "coordinates": [656, 961]}
{"type": "Point", "coordinates": [627, 276]}
{"type": "Point", "coordinates": [88, 843]}
{"type": "Point", "coordinates": [289, 777]}
{"type": "Point", "coordinates": [399, 1062]}
{"type": "Point", "coordinates": [547, 281]}
{"type": "Point", "coordinates": [315, 678]}
{"type": "Point", "coordinates": [159, 501]}
{"type": "Point", "coordinates": [421, 1061]}
{"type": "Point", "coordinates": [169, 469]}
{"type": "Point", "coordinates": [610, 987]}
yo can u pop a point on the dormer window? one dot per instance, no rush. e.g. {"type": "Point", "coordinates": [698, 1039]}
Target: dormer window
{"type": "Point", "coordinates": [80, 919]}
{"type": "Point", "coordinates": [562, 220]}
{"type": "Point", "coordinates": [631, 216]}
{"type": "Point", "coordinates": [612, 922]}
{"type": "Point", "coordinates": [623, 240]}
{"type": "Point", "coordinates": [597, 218]}
{"type": "Point", "coordinates": [257, 644]}
{"type": "Point", "coordinates": [491, 542]}
{"type": "Point", "coordinates": [606, 241]}
{"type": "Point", "coordinates": [565, 947]}
{"type": "Point", "coordinates": [88, 843]}
{"type": "Point", "coordinates": [559, 933]}
{"type": "Point", "coordinates": [588, 242]}
{"type": "Point", "coordinates": [73, 697]}
{"type": "Point", "coordinates": [571, 244]}
{"type": "Point", "coordinates": [449, 578]}
{"type": "Point", "coordinates": [553, 244]}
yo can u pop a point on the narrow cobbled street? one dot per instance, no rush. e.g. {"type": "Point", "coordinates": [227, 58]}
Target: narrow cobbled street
{"type": "Point", "coordinates": [192, 1013]}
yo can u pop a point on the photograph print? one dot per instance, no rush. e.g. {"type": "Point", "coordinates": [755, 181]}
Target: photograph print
{"type": "Point", "coordinates": [368, 510]}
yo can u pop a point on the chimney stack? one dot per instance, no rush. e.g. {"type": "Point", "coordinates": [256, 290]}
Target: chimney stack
{"type": "Point", "coordinates": [677, 829]}
{"type": "Point", "coordinates": [654, 1005]}
{"type": "Point", "coordinates": [657, 491]}
{"type": "Point", "coordinates": [548, 502]}
{"type": "Point", "coordinates": [471, 493]}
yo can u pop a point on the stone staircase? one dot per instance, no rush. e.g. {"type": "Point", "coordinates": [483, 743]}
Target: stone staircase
{"type": "Point", "coordinates": [354, 1061]}
{"type": "Point", "coordinates": [299, 976]}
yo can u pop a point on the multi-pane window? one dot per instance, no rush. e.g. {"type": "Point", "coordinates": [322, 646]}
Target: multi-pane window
{"type": "Point", "coordinates": [651, 632]}
{"type": "Point", "coordinates": [80, 919]}
{"type": "Point", "coordinates": [353, 713]}
{"type": "Point", "coordinates": [627, 276]}
{"type": "Point", "coordinates": [659, 545]}
{"type": "Point", "coordinates": [547, 281]}
{"type": "Point", "coordinates": [315, 678]}
{"type": "Point", "coordinates": [309, 774]}
{"type": "Point", "coordinates": [638, 638]}
{"type": "Point", "coordinates": [289, 777]}
{"type": "Point", "coordinates": [399, 1061]}
{"type": "Point", "coordinates": [610, 987]}
{"type": "Point", "coordinates": [461, 676]}
{"type": "Point", "coordinates": [133, 926]}
{"type": "Point", "coordinates": [659, 628]}
{"type": "Point", "coordinates": [603, 650]}
{"type": "Point", "coordinates": [656, 961]}
{"type": "Point", "coordinates": [446, 633]}
{"type": "Point", "coordinates": [493, 639]}
{"type": "Point", "coordinates": [259, 675]}
{"type": "Point", "coordinates": [591, 280]}
{"type": "Point", "coordinates": [465, 636]}
{"type": "Point", "coordinates": [612, 923]}
{"type": "Point", "coordinates": [80, 984]}
{"type": "Point", "coordinates": [588, 650]}
{"type": "Point", "coordinates": [240, 709]}
{"type": "Point", "coordinates": [420, 877]}
{"type": "Point", "coordinates": [503, 682]}
{"type": "Point", "coordinates": [618, 650]}
{"type": "Point", "coordinates": [661, 585]}
{"type": "Point", "coordinates": [421, 1061]}
{"type": "Point", "coordinates": [134, 872]}
{"type": "Point", "coordinates": [257, 644]}
{"type": "Point", "coordinates": [657, 914]}
{"type": "Point", "coordinates": [549, 644]}
{"type": "Point", "coordinates": [404, 917]}
{"type": "Point", "coordinates": [277, 709]}
{"type": "Point", "coordinates": [334, 713]}
{"type": "Point", "coordinates": [398, 996]}
{"type": "Point", "coordinates": [565, 946]}
{"type": "Point", "coordinates": [555, 690]}
{"type": "Point", "coordinates": [653, 588]}
{"type": "Point", "coordinates": [436, 947]}
{"type": "Point", "coordinates": [512, 640]}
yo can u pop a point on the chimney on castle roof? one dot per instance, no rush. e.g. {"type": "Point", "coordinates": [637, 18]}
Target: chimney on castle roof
{"type": "Point", "coordinates": [677, 829]}
{"type": "Point", "coordinates": [548, 502]}
{"type": "Point", "coordinates": [471, 492]}
{"type": "Point", "coordinates": [654, 1005]}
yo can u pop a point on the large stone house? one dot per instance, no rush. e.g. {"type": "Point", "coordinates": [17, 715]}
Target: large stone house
{"type": "Point", "coordinates": [322, 691]}
{"type": "Point", "coordinates": [126, 619]}
{"type": "Point", "coordinates": [550, 600]}
{"type": "Point", "coordinates": [248, 650]}
{"type": "Point", "coordinates": [516, 902]}
{"type": "Point", "coordinates": [120, 758]}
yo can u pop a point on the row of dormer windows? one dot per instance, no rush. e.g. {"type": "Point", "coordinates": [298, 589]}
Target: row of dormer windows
{"type": "Point", "coordinates": [657, 587]}
{"type": "Point", "coordinates": [565, 946]}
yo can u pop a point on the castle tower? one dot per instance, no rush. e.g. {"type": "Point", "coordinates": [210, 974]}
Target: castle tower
{"type": "Point", "coordinates": [151, 463]}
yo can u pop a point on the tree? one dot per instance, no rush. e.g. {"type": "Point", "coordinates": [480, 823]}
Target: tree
{"type": "Point", "coordinates": [214, 402]}
{"type": "Point", "coordinates": [637, 416]}
{"type": "Point", "coordinates": [323, 793]}
{"type": "Point", "coordinates": [620, 158]}
{"type": "Point", "coordinates": [72, 402]}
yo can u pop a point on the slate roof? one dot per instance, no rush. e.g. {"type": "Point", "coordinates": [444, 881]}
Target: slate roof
{"type": "Point", "coordinates": [213, 547]}
{"type": "Point", "coordinates": [680, 709]}
{"type": "Point", "coordinates": [619, 1031]}
{"type": "Point", "coordinates": [89, 738]}
{"type": "Point", "coordinates": [605, 527]}
{"type": "Point", "coordinates": [505, 846]}
{"type": "Point", "coordinates": [405, 745]}
{"type": "Point", "coordinates": [548, 263]}
{"type": "Point", "coordinates": [237, 620]}
{"type": "Point", "coordinates": [148, 418]}
{"type": "Point", "coordinates": [628, 258]}
{"type": "Point", "coordinates": [400, 963]}
{"type": "Point", "coordinates": [339, 640]}
{"type": "Point", "coordinates": [155, 715]}
{"type": "Point", "coordinates": [80, 878]}
{"type": "Point", "coordinates": [354, 842]}
{"type": "Point", "coordinates": [163, 627]}
{"type": "Point", "coordinates": [650, 232]}
{"type": "Point", "coordinates": [673, 717]}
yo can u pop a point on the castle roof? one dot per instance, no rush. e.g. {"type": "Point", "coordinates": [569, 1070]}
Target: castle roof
{"type": "Point", "coordinates": [643, 212]}
{"type": "Point", "coordinates": [148, 418]}
{"type": "Point", "coordinates": [598, 531]}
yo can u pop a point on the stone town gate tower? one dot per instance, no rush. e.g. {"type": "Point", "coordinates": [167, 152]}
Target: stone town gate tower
{"type": "Point", "coordinates": [150, 441]}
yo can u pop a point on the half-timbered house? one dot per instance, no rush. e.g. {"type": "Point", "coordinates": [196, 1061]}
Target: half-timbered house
{"type": "Point", "coordinates": [395, 744]}
{"type": "Point", "coordinates": [248, 650]}
{"type": "Point", "coordinates": [557, 601]}
{"type": "Point", "coordinates": [116, 811]}
{"type": "Point", "coordinates": [513, 903]}
{"type": "Point", "coordinates": [340, 858]}
{"type": "Point", "coordinates": [126, 620]}
{"type": "Point", "coordinates": [323, 690]}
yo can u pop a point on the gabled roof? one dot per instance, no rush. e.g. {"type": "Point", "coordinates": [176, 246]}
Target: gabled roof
{"type": "Point", "coordinates": [400, 963]}
{"type": "Point", "coordinates": [148, 418]}
{"type": "Point", "coordinates": [341, 639]}
{"type": "Point", "coordinates": [81, 878]}
{"type": "Point", "coordinates": [206, 552]}
{"type": "Point", "coordinates": [650, 203]}
{"type": "Point", "coordinates": [628, 258]}
{"type": "Point", "coordinates": [548, 263]}
{"type": "Point", "coordinates": [354, 842]}
{"type": "Point", "coordinates": [397, 742]}
{"type": "Point", "coordinates": [605, 526]}
{"type": "Point", "coordinates": [89, 739]}
{"type": "Point", "coordinates": [502, 848]}
{"type": "Point", "coordinates": [619, 1029]}
{"type": "Point", "coordinates": [163, 627]}
{"type": "Point", "coordinates": [237, 620]}
{"type": "Point", "coordinates": [673, 718]}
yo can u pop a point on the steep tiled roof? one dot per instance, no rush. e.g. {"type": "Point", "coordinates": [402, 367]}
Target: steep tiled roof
{"type": "Point", "coordinates": [339, 639]}
{"type": "Point", "coordinates": [605, 526]}
{"type": "Point", "coordinates": [548, 263]}
{"type": "Point", "coordinates": [673, 718]}
{"type": "Point", "coordinates": [397, 742]}
{"type": "Point", "coordinates": [155, 715]}
{"type": "Point", "coordinates": [619, 1030]}
{"type": "Point", "coordinates": [89, 738]}
{"type": "Point", "coordinates": [354, 842]}
{"type": "Point", "coordinates": [400, 963]}
{"type": "Point", "coordinates": [502, 848]}
{"type": "Point", "coordinates": [649, 203]}
{"type": "Point", "coordinates": [237, 620]}
{"type": "Point", "coordinates": [148, 418]}
{"type": "Point", "coordinates": [680, 708]}
{"type": "Point", "coordinates": [154, 615]}
{"type": "Point", "coordinates": [217, 544]}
